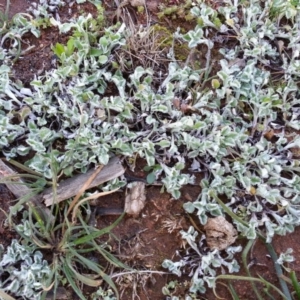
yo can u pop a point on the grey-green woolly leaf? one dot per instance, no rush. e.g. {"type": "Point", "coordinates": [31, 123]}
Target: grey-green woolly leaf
{"type": "Point", "coordinates": [197, 286]}
{"type": "Point", "coordinates": [103, 59]}
{"type": "Point", "coordinates": [151, 178]}
{"type": "Point", "coordinates": [36, 145]}
{"type": "Point", "coordinates": [189, 207]}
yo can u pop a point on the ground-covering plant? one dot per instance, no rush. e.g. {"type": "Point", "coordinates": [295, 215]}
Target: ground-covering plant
{"type": "Point", "coordinates": [179, 10]}
{"type": "Point", "coordinates": [75, 251]}
{"type": "Point", "coordinates": [202, 263]}
{"type": "Point", "coordinates": [12, 31]}
{"type": "Point", "coordinates": [78, 253]}
{"type": "Point", "coordinates": [235, 124]}
{"type": "Point", "coordinates": [257, 173]}
{"type": "Point", "coordinates": [94, 128]}
{"type": "Point", "coordinates": [24, 272]}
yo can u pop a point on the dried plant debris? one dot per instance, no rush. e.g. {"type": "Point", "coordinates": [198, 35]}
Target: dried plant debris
{"type": "Point", "coordinates": [136, 3]}
{"type": "Point", "coordinates": [220, 234]}
{"type": "Point", "coordinates": [135, 198]}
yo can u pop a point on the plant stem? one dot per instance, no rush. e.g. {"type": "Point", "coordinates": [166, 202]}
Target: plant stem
{"type": "Point", "coordinates": [233, 292]}
{"type": "Point", "coordinates": [226, 209]}
{"type": "Point", "coordinates": [278, 270]}
{"type": "Point", "coordinates": [245, 278]}
{"type": "Point", "coordinates": [244, 259]}
{"type": "Point", "coordinates": [138, 272]}
{"type": "Point", "coordinates": [295, 283]}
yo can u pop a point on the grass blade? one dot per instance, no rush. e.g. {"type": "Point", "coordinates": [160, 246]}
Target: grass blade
{"type": "Point", "coordinates": [70, 277]}
{"type": "Point", "coordinates": [97, 233]}
{"type": "Point", "coordinates": [233, 292]}
{"type": "Point", "coordinates": [245, 278]}
{"type": "Point", "coordinates": [22, 167]}
{"type": "Point", "coordinates": [91, 265]}
{"type": "Point", "coordinates": [84, 279]}
{"type": "Point", "coordinates": [244, 259]}
{"type": "Point", "coordinates": [295, 283]}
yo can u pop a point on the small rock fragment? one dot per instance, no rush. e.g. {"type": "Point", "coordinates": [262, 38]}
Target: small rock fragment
{"type": "Point", "coordinates": [135, 199]}
{"type": "Point", "coordinates": [136, 3]}
{"type": "Point", "coordinates": [220, 234]}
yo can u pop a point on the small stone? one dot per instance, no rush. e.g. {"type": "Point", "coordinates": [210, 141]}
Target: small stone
{"type": "Point", "coordinates": [220, 234]}
{"type": "Point", "coordinates": [135, 199]}
{"type": "Point", "coordinates": [136, 3]}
